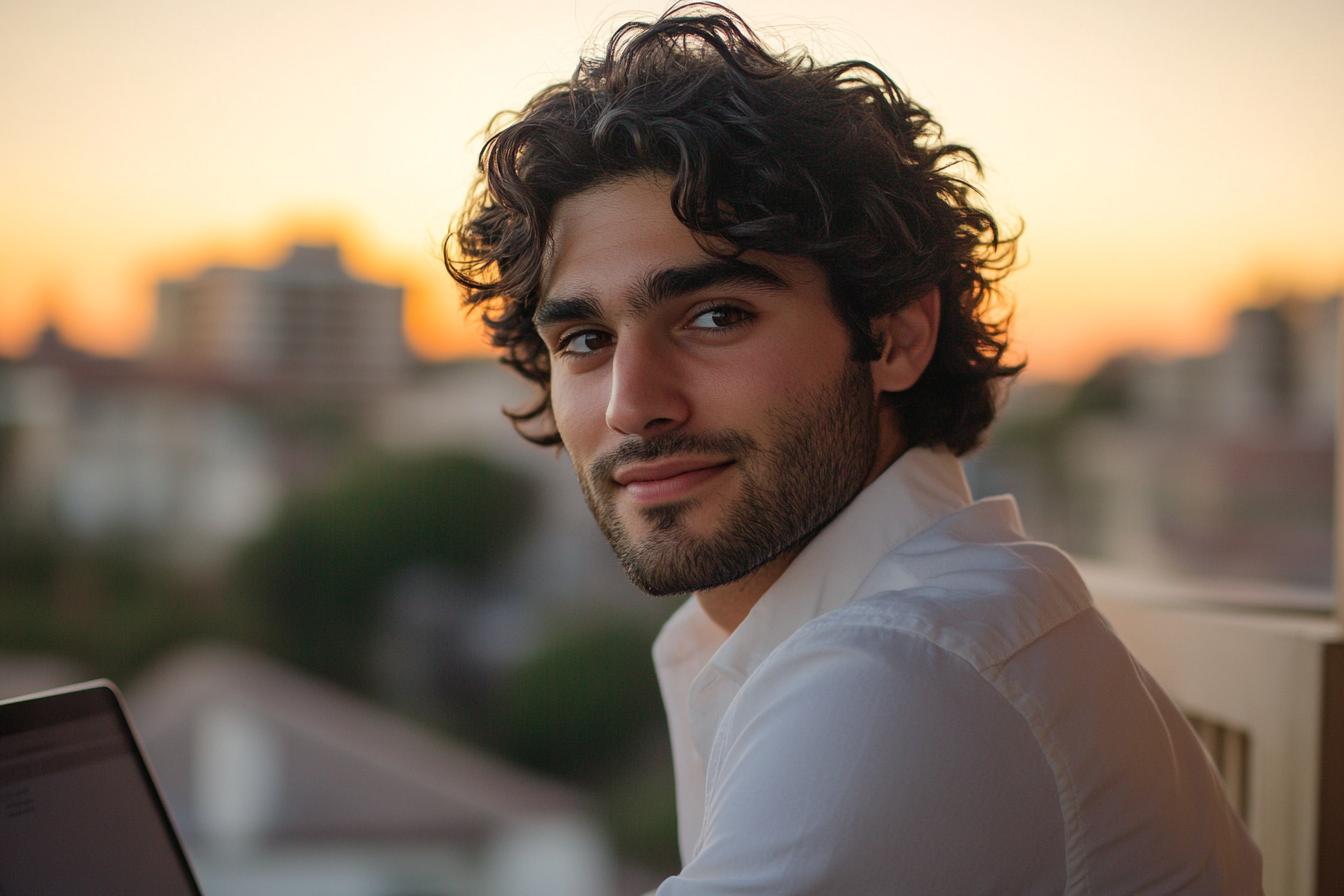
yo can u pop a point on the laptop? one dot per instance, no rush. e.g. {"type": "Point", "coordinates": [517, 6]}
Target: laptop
{"type": "Point", "coordinates": [80, 812]}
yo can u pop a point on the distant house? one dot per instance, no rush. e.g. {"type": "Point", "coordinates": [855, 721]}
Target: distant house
{"type": "Point", "coordinates": [285, 785]}
{"type": "Point", "coordinates": [105, 447]}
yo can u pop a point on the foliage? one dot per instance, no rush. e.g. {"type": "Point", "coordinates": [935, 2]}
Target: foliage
{"type": "Point", "coordinates": [319, 572]}
{"type": "Point", "coordinates": [1108, 392]}
{"type": "Point", "coordinates": [102, 606]}
{"type": "Point", "coordinates": [582, 704]}
{"type": "Point", "coordinates": [586, 708]}
{"type": "Point", "coordinates": [640, 807]}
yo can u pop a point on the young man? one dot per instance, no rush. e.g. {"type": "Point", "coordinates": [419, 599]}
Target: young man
{"type": "Point", "coordinates": [755, 293]}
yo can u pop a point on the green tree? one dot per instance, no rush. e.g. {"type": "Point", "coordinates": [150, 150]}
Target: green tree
{"type": "Point", "coordinates": [586, 708]}
{"type": "Point", "coordinates": [582, 704]}
{"type": "Point", "coordinates": [320, 571]}
{"type": "Point", "coordinates": [102, 605]}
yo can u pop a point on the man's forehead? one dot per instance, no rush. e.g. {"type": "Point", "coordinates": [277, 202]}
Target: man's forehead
{"type": "Point", "coordinates": [618, 228]}
{"type": "Point", "coordinates": [612, 242]}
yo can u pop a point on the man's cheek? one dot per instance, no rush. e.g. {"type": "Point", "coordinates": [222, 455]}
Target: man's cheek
{"type": "Point", "coordinates": [580, 412]}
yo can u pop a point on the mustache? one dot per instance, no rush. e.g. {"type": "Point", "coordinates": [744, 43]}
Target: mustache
{"type": "Point", "coordinates": [635, 449]}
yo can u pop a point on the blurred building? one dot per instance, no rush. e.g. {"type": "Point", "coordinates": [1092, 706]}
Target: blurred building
{"type": "Point", "coordinates": [102, 448]}
{"type": "Point", "coordinates": [1277, 371]}
{"type": "Point", "coordinates": [1217, 464]}
{"type": "Point", "coordinates": [305, 326]}
{"type": "Point", "coordinates": [282, 784]}
{"type": "Point", "coordinates": [255, 383]}
{"type": "Point", "coordinates": [261, 384]}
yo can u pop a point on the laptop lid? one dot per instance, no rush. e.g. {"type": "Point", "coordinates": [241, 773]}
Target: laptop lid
{"type": "Point", "coordinates": [80, 812]}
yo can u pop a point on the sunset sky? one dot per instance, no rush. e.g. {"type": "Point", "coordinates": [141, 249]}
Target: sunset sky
{"type": "Point", "coordinates": [1170, 160]}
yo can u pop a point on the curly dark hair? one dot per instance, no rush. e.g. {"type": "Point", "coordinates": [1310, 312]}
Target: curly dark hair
{"type": "Point", "coordinates": [769, 152]}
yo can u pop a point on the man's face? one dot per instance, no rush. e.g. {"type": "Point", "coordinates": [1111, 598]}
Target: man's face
{"type": "Point", "coordinates": [711, 407]}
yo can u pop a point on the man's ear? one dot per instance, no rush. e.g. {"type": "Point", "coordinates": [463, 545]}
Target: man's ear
{"type": "Point", "coordinates": [906, 339]}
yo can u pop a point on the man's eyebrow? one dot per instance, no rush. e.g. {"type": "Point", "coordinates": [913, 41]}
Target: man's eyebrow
{"type": "Point", "coordinates": [659, 287]}
{"type": "Point", "coordinates": [670, 283]}
{"type": "Point", "coordinates": [562, 311]}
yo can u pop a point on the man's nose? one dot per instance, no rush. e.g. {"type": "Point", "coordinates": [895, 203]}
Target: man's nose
{"type": "Point", "coordinates": [647, 394]}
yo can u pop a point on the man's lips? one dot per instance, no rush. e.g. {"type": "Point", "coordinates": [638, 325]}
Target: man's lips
{"type": "Point", "coordinates": [661, 481]}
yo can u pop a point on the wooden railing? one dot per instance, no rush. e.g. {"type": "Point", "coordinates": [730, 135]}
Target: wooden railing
{"type": "Point", "coordinates": [1230, 750]}
{"type": "Point", "coordinates": [1259, 670]}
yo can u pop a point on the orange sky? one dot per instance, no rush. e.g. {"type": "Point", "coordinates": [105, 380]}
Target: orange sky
{"type": "Point", "coordinates": [1167, 158]}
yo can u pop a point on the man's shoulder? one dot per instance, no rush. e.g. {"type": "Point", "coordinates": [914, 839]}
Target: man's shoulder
{"type": "Point", "coordinates": [968, 600]}
{"type": "Point", "coordinates": [976, 641]}
{"type": "Point", "coordinates": [972, 584]}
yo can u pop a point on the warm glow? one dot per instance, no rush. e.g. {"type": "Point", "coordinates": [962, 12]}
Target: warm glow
{"type": "Point", "coordinates": [438, 329]}
{"type": "Point", "coordinates": [1167, 161]}
{"type": "Point", "coordinates": [20, 321]}
{"type": "Point", "coordinates": [1168, 311]}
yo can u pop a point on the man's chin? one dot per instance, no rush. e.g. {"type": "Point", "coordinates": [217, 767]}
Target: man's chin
{"type": "Point", "coordinates": [660, 564]}
{"type": "Point", "coordinates": [674, 517]}
{"type": "Point", "coordinates": [667, 559]}
{"type": "Point", "coordinates": [664, 579]}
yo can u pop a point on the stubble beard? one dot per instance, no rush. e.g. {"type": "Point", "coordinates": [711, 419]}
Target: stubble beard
{"type": "Point", "coordinates": [823, 448]}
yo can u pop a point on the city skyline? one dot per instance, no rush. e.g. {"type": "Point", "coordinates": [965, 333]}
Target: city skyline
{"type": "Point", "coordinates": [1169, 163]}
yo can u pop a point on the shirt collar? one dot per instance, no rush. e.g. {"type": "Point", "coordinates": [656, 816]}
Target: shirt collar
{"type": "Point", "coordinates": [921, 487]}
{"type": "Point", "coordinates": [916, 491]}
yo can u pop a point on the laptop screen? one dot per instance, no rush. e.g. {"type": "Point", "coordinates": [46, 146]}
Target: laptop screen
{"type": "Point", "coordinates": [79, 813]}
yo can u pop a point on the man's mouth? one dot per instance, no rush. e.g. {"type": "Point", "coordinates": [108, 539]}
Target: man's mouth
{"type": "Point", "coordinates": [667, 480]}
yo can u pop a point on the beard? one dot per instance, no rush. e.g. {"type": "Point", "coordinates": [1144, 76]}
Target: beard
{"type": "Point", "coordinates": [821, 448]}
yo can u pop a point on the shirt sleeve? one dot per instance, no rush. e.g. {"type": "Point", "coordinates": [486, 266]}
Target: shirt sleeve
{"type": "Point", "coordinates": [866, 760]}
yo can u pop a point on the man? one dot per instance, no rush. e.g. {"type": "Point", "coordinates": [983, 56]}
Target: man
{"type": "Point", "coordinates": [756, 294]}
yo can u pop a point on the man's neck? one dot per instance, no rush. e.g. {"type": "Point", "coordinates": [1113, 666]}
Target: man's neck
{"type": "Point", "coordinates": [727, 605]}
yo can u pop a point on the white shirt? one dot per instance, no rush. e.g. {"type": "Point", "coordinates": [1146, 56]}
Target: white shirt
{"type": "Point", "coordinates": [925, 702]}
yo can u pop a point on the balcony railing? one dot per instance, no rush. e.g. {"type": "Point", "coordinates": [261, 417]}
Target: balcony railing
{"type": "Point", "coordinates": [1259, 670]}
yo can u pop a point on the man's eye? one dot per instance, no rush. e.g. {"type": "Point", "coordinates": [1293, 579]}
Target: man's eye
{"type": "Point", "coordinates": [719, 318]}
{"type": "Point", "coordinates": [584, 342]}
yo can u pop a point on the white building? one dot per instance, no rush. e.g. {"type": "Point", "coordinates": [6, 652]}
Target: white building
{"type": "Point", "coordinates": [106, 448]}
{"type": "Point", "coordinates": [1277, 368]}
{"type": "Point", "coordinates": [1316, 364]}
